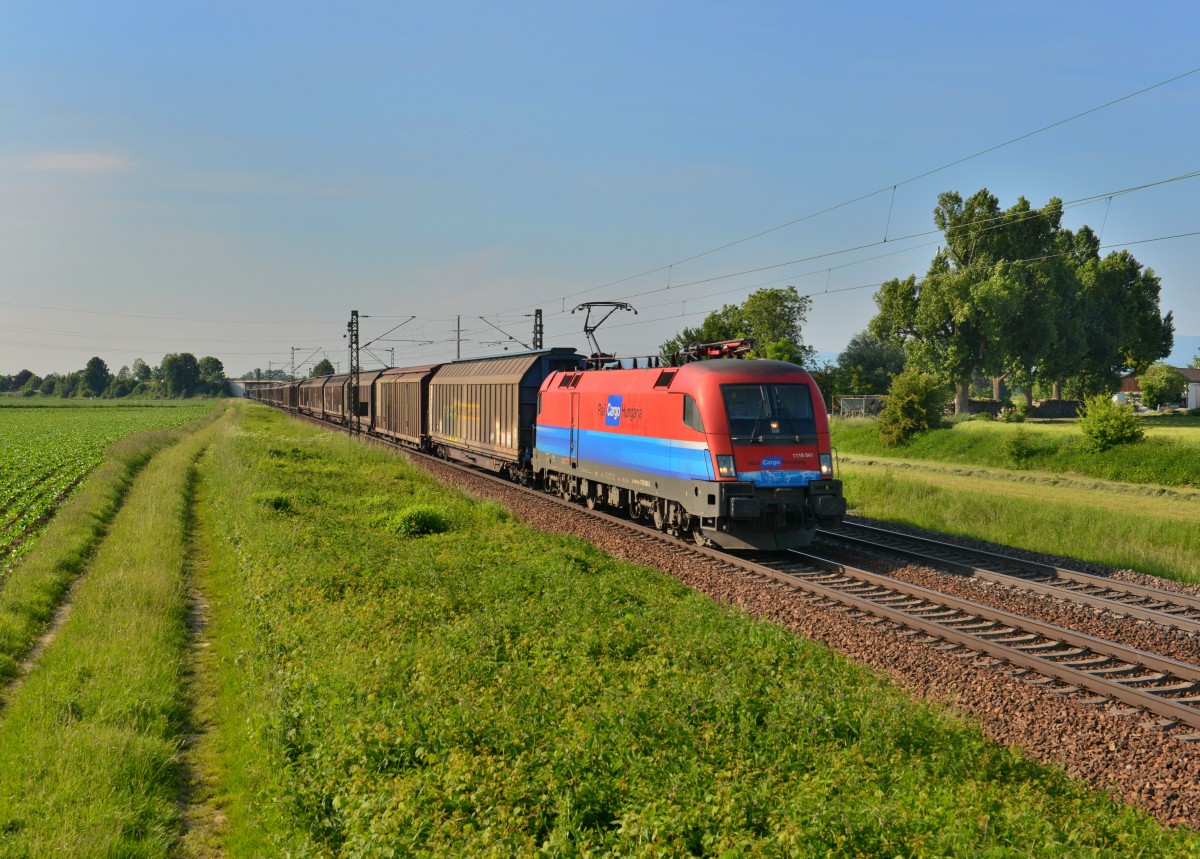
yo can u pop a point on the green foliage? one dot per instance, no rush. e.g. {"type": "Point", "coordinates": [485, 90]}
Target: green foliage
{"type": "Point", "coordinates": [502, 692]}
{"type": "Point", "coordinates": [45, 454]}
{"type": "Point", "coordinates": [419, 520]}
{"type": "Point", "coordinates": [323, 368]}
{"type": "Point", "coordinates": [1169, 456]}
{"type": "Point", "coordinates": [89, 746]}
{"type": "Point", "coordinates": [773, 317]}
{"type": "Point", "coordinates": [277, 501]}
{"type": "Point", "coordinates": [1018, 447]}
{"type": "Point", "coordinates": [1107, 423]}
{"type": "Point", "coordinates": [181, 374]}
{"type": "Point", "coordinates": [1015, 293]}
{"type": "Point", "coordinates": [96, 376]}
{"type": "Point", "coordinates": [914, 405]}
{"type": "Point", "coordinates": [1161, 384]}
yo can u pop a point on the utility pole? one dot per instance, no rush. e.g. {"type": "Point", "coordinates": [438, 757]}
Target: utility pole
{"type": "Point", "coordinates": [352, 329]}
{"type": "Point", "coordinates": [537, 330]}
{"type": "Point", "coordinates": [457, 338]}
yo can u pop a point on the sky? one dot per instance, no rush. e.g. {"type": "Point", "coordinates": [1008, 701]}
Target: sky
{"type": "Point", "coordinates": [233, 179]}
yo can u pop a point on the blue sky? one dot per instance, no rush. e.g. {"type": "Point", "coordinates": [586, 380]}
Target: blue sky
{"type": "Point", "coordinates": [234, 178]}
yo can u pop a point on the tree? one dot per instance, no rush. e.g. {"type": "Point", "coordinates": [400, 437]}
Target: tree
{"type": "Point", "coordinates": [19, 380]}
{"type": "Point", "coordinates": [772, 317]}
{"type": "Point", "coordinates": [1161, 384]}
{"type": "Point", "coordinates": [212, 375]}
{"type": "Point", "coordinates": [141, 370]}
{"type": "Point", "coordinates": [323, 368]}
{"type": "Point", "coordinates": [181, 374]}
{"type": "Point", "coordinates": [914, 405]}
{"type": "Point", "coordinates": [867, 364]}
{"type": "Point", "coordinates": [981, 293]}
{"type": "Point", "coordinates": [96, 377]}
{"type": "Point", "coordinates": [1195, 365]}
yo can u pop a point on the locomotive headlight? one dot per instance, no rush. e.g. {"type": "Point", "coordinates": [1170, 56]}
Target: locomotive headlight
{"type": "Point", "coordinates": [827, 465]}
{"type": "Point", "coordinates": [725, 466]}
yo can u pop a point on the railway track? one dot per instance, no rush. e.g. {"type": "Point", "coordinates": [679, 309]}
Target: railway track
{"type": "Point", "coordinates": [1167, 608]}
{"type": "Point", "coordinates": [1065, 661]}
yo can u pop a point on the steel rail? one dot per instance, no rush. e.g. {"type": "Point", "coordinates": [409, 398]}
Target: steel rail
{"type": "Point", "coordinates": [1175, 677]}
{"type": "Point", "coordinates": [1173, 609]}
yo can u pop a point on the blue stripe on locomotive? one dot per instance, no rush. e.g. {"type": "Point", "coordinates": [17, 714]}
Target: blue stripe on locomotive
{"type": "Point", "coordinates": [686, 460]}
{"type": "Point", "coordinates": [665, 457]}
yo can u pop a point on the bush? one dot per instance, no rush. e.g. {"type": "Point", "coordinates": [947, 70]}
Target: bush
{"type": "Point", "coordinates": [419, 520]}
{"type": "Point", "coordinates": [1107, 423]}
{"type": "Point", "coordinates": [914, 405]}
{"type": "Point", "coordinates": [1018, 447]}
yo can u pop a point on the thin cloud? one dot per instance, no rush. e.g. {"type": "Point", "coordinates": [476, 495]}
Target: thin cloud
{"type": "Point", "coordinates": [79, 163]}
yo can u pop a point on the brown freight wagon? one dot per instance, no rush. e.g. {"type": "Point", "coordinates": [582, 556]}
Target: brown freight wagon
{"type": "Point", "coordinates": [483, 411]}
{"type": "Point", "coordinates": [400, 396]}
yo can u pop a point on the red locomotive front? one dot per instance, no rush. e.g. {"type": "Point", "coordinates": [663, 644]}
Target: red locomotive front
{"type": "Point", "coordinates": [734, 453]}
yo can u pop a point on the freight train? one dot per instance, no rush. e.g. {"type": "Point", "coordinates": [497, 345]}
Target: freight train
{"type": "Point", "coordinates": [731, 453]}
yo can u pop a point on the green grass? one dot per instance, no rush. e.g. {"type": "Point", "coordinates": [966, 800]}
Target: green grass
{"type": "Point", "coordinates": [1169, 456]}
{"type": "Point", "coordinates": [89, 742]}
{"type": "Point", "coordinates": [1117, 525]}
{"type": "Point", "coordinates": [480, 688]}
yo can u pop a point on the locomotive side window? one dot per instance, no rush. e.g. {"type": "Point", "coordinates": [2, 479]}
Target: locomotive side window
{"type": "Point", "coordinates": [691, 414]}
{"type": "Point", "coordinates": [772, 414]}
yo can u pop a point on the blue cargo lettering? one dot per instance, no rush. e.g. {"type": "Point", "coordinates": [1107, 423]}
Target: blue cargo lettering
{"type": "Point", "coordinates": [612, 417]}
{"type": "Point", "coordinates": [772, 462]}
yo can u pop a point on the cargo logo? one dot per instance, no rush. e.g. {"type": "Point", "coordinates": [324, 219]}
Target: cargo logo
{"type": "Point", "coordinates": [612, 415]}
{"type": "Point", "coordinates": [772, 462]}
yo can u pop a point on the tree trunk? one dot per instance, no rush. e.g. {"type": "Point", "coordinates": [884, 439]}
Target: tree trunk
{"type": "Point", "coordinates": [962, 393]}
{"type": "Point", "coordinates": [1056, 390]}
{"type": "Point", "coordinates": [997, 381]}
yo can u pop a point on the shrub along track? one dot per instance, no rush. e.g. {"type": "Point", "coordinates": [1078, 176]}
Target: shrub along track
{"type": "Point", "coordinates": [1127, 752]}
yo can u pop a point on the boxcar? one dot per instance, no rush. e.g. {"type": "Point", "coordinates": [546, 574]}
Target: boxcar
{"type": "Point", "coordinates": [482, 411]}
{"type": "Point", "coordinates": [401, 396]}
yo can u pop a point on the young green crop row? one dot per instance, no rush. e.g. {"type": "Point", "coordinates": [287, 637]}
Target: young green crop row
{"type": "Point", "coordinates": [44, 453]}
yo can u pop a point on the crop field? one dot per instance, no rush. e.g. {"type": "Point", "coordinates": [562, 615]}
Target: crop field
{"type": "Point", "coordinates": [46, 452]}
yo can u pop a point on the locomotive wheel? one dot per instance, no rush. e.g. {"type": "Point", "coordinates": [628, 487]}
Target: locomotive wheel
{"type": "Point", "coordinates": [660, 521]}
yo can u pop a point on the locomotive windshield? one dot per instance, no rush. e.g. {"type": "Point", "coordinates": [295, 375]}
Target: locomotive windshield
{"type": "Point", "coordinates": [770, 414]}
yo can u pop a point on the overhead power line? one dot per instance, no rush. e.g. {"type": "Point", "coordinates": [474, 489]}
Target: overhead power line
{"type": "Point", "coordinates": [889, 187]}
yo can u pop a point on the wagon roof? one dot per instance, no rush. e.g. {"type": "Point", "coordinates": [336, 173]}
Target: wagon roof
{"type": "Point", "coordinates": [404, 373]}
{"type": "Point", "coordinates": [506, 369]}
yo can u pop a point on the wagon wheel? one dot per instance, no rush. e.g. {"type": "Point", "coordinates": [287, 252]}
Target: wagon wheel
{"type": "Point", "coordinates": [591, 502]}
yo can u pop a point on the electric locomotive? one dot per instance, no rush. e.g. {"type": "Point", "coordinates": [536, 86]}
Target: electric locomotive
{"type": "Point", "coordinates": [734, 453]}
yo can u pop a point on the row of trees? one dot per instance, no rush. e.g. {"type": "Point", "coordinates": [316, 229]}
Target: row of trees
{"type": "Point", "coordinates": [180, 374]}
{"type": "Point", "coordinates": [1012, 298]}
{"type": "Point", "coordinates": [1015, 295]}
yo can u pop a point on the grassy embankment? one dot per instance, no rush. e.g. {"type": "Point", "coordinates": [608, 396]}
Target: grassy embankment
{"type": "Point", "coordinates": [1037, 486]}
{"type": "Point", "coordinates": [89, 740]}
{"type": "Point", "coordinates": [490, 690]}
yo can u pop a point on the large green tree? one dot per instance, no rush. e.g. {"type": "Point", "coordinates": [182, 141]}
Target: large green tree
{"type": "Point", "coordinates": [96, 377]}
{"type": "Point", "coordinates": [867, 364]}
{"type": "Point", "coordinates": [978, 304]}
{"type": "Point", "coordinates": [774, 318]}
{"type": "Point", "coordinates": [323, 368]}
{"type": "Point", "coordinates": [1014, 293]}
{"type": "Point", "coordinates": [181, 374]}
